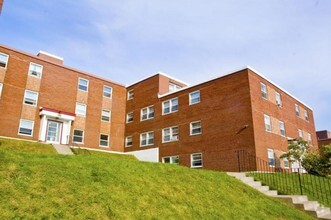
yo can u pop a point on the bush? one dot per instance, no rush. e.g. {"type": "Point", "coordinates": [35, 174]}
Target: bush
{"type": "Point", "coordinates": [318, 162]}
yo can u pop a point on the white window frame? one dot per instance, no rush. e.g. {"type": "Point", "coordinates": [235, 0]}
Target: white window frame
{"type": "Point", "coordinates": [171, 106]}
{"type": "Point", "coordinates": [264, 90]}
{"type": "Point", "coordinates": [310, 140]}
{"type": "Point", "coordinates": [172, 136]}
{"type": "Point", "coordinates": [1, 85]}
{"type": "Point", "coordinates": [130, 94]}
{"type": "Point", "coordinates": [286, 161]}
{"type": "Point", "coordinates": [79, 113]}
{"type": "Point", "coordinates": [306, 115]}
{"type": "Point", "coordinates": [278, 99]}
{"type": "Point", "coordinates": [25, 96]}
{"type": "Point", "coordinates": [73, 136]}
{"type": "Point", "coordinates": [271, 155]}
{"type": "Point", "coordinates": [87, 85]}
{"type": "Point", "coordinates": [175, 87]}
{"type": "Point", "coordinates": [282, 128]}
{"type": "Point", "coordinates": [266, 124]}
{"type": "Point", "coordinates": [297, 110]}
{"type": "Point", "coordinates": [6, 60]}
{"type": "Point", "coordinates": [191, 128]}
{"type": "Point", "coordinates": [104, 140]}
{"type": "Point", "coordinates": [39, 74]}
{"type": "Point", "coordinates": [194, 160]}
{"type": "Point", "coordinates": [105, 92]}
{"type": "Point", "coordinates": [172, 159]}
{"type": "Point", "coordinates": [191, 99]}
{"type": "Point", "coordinates": [127, 117]}
{"type": "Point", "coordinates": [126, 141]}
{"type": "Point", "coordinates": [20, 126]}
{"type": "Point", "coordinates": [300, 132]}
{"type": "Point", "coordinates": [105, 113]}
{"type": "Point", "coordinates": [148, 134]}
{"type": "Point", "coordinates": [149, 111]}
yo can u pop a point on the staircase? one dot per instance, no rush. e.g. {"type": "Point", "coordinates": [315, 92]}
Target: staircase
{"type": "Point", "coordinates": [63, 149]}
{"type": "Point", "coordinates": [301, 202]}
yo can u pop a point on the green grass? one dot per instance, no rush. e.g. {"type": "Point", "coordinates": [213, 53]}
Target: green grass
{"type": "Point", "coordinates": [35, 183]}
{"type": "Point", "coordinates": [315, 187]}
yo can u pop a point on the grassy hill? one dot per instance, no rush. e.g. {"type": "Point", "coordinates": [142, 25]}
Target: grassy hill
{"type": "Point", "coordinates": [36, 183]}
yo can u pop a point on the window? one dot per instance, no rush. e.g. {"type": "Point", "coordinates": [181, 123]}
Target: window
{"type": "Point", "coordinates": [170, 106]}
{"type": "Point", "coordinates": [107, 91]}
{"type": "Point", "coordinates": [129, 117]}
{"type": "Point", "coordinates": [104, 140]}
{"type": "Point", "coordinates": [147, 113]}
{"type": "Point", "coordinates": [267, 123]}
{"type": "Point", "coordinates": [35, 70]}
{"type": "Point", "coordinates": [0, 89]}
{"type": "Point", "coordinates": [195, 128]}
{"type": "Point", "coordinates": [78, 136]}
{"type": "Point", "coordinates": [271, 157]}
{"type": "Point", "coordinates": [286, 163]}
{"type": "Point", "coordinates": [173, 87]}
{"type": "Point", "coordinates": [105, 115]}
{"type": "Point", "coordinates": [194, 97]}
{"type": "Point", "coordinates": [282, 128]}
{"type": "Point", "coordinates": [300, 133]}
{"type": "Point", "coordinates": [310, 141]}
{"type": "Point", "coordinates": [30, 97]}
{"type": "Point", "coordinates": [147, 139]}
{"type": "Point", "coordinates": [297, 110]}
{"type": "Point", "coordinates": [83, 84]}
{"type": "Point", "coordinates": [171, 160]}
{"type": "Point", "coordinates": [170, 134]}
{"type": "Point", "coordinates": [278, 99]}
{"type": "Point", "coordinates": [128, 141]}
{"type": "Point", "coordinates": [130, 94]}
{"type": "Point", "coordinates": [196, 160]}
{"type": "Point", "coordinates": [306, 115]}
{"type": "Point", "coordinates": [3, 60]}
{"type": "Point", "coordinates": [80, 109]}
{"type": "Point", "coordinates": [264, 91]}
{"type": "Point", "coordinates": [26, 127]}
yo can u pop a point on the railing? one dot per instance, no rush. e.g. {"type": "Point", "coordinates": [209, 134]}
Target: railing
{"type": "Point", "coordinates": [290, 180]}
{"type": "Point", "coordinates": [76, 147]}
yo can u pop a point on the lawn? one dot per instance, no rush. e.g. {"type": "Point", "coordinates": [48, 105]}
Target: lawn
{"type": "Point", "coordinates": [315, 187]}
{"type": "Point", "coordinates": [35, 183]}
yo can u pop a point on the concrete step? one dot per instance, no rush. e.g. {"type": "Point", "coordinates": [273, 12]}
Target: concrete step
{"type": "Point", "coordinates": [310, 205]}
{"type": "Point", "coordinates": [327, 216]}
{"type": "Point", "coordinates": [270, 192]}
{"type": "Point", "coordinates": [321, 211]}
{"type": "Point", "coordinates": [254, 184]}
{"type": "Point", "coordinates": [295, 199]}
{"type": "Point", "coordinates": [262, 188]}
{"type": "Point", "coordinates": [247, 179]}
{"type": "Point", "coordinates": [237, 175]}
{"type": "Point", "coordinates": [63, 149]}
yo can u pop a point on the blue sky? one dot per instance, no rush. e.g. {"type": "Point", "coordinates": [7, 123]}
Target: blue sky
{"type": "Point", "coordinates": [287, 41]}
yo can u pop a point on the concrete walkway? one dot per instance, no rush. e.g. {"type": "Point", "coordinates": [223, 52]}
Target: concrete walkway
{"type": "Point", "coordinates": [63, 149]}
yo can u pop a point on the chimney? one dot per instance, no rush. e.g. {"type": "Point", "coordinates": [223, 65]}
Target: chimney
{"type": "Point", "coordinates": [50, 57]}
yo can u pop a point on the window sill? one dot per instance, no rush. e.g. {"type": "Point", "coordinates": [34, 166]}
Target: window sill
{"type": "Point", "coordinates": [148, 145]}
{"type": "Point", "coordinates": [169, 113]}
{"type": "Point", "coordinates": [195, 134]}
{"type": "Point", "coordinates": [26, 135]}
{"type": "Point", "coordinates": [164, 142]}
{"type": "Point", "coordinates": [146, 119]}
{"type": "Point", "coordinates": [196, 166]}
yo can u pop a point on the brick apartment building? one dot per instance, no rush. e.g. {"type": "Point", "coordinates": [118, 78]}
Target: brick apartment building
{"type": "Point", "coordinates": [323, 137]}
{"type": "Point", "coordinates": [159, 118]}
{"type": "Point", "coordinates": [1, 3]}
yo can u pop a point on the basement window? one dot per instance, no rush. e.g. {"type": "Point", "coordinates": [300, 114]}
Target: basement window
{"type": "Point", "coordinates": [170, 134]}
{"type": "Point", "coordinates": [104, 140]}
{"type": "Point", "coordinates": [196, 160]}
{"type": "Point", "coordinates": [105, 115]}
{"type": "Point", "coordinates": [26, 127]}
{"type": "Point", "coordinates": [107, 91]}
{"type": "Point", "coordinates": [78, 136]}
{"type": "Point", "coordinates": [171, 160]}
{"type": "Point", "coordinates": [128, 141]}
{"type": "Point", "coordinates": [3, 60]}
{"type": "Point", "coordinates": [30, 97]}
{"type": "Point", "coordinates": [35, 70]}
{"type": "Point", "coordinates": [83, 84]}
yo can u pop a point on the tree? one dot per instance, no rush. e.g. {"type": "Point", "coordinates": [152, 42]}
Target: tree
{"type": "Point", "coordinates": [296, 151]}
{"type": "Point", "coordinates": [318, 162]}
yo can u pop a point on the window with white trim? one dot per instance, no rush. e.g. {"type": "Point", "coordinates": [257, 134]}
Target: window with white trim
{"type": "Point", "coordinates": [297, 110]}
{"type": "Point", "coordinates": [78, 136]}
{"type": "Point", "coordinates": [300, 133]}
{"type": "Point", "coordinates": [26, 127]}
{"type": "Point", "coordinates": [267, 123]}
{"type": "Point", "coordinates": [195, 128]}
{"type": "Point", "coordinates": [306, 115]}
{"type": "Point", "coordinates": [271, 157]}
{"type": "Point", "coordinates": [80, 109]}
{"type": "Point", "coordinates": [147, 139]}
{"type": "Point", "coordinates": [83, 84]}
{"type": "Point", "coordinates": [310, 140]}
{"type": "Point", "coordinates": [35, 70]}
{"type": "Point", "coordinates": [107, 91]}
{"type": "Point", "coordinates": [196, 160]}
{"type": "Point", "coordinates": [147, 113]}
{"type": "Point", "coordinates": [278, 99]}
{"type": "Point", "coordinates": [264, 91]}
{"type": "Point", "coordinates": [129, 117]}
{"type": "Point", "coordinates": [105, 115]}
{"type": "Point", "coordinates": [194, 97]}
{"type": "Point", "coordinates": [286, 163]}
{"type": "Point", "coordinates": [0, 89]}
{"type": "Point", "coordinates": [282, 128]}
{"type": "Point", "coordinates": [30, 97]}
{"type": "Point", "coordinates": [171, 160]}
{"type": "Point", "coordinates": [170, 134]}
{"type": "Point", "coordinates": [170, 106]}
{"type": "Point", "coordinates": [3, 60]}
{"type": "Point", "coordinates": [173, 87]}
{"type": "Point", "coordinates": [104, 140]}
{"type": "Point", "coordinates": [128, 141]}
{"type": "Point", "coordinates": [130, 94]}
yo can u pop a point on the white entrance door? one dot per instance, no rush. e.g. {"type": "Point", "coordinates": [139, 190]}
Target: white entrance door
{"type": "Point", "coordinates": [53, 131]}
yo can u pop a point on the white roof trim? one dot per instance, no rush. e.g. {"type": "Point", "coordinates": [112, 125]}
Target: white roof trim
{"type": "Point", "coordinates": [50, 55]}
{"type": "Point", "coordinates": [237, 70]}
{"type": "Point", "coordinates": [159, 73]}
